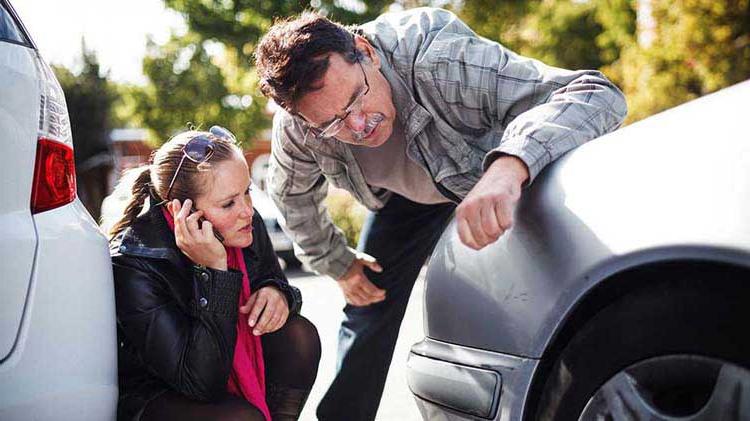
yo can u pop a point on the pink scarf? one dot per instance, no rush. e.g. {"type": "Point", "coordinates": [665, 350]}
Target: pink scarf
{"type": "Point", "coordinates": [248, 378]}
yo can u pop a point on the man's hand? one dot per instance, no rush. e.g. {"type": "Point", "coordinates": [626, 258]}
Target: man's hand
{"type": "Point", "coordinates": [487, 211]}
{"type": "Point", "coordinates": [358, 290]}
{"type": "Point", "coordinates": [267, 309]}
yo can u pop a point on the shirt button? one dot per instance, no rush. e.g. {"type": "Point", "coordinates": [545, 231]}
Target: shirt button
{"type": "Point", "coordinates": [204, 276]}
{"type": "Point", "coordinates": [203, 302]}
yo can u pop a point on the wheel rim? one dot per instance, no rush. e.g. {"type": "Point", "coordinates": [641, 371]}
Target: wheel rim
{"type": "Point", "coordinates": [673, 387]}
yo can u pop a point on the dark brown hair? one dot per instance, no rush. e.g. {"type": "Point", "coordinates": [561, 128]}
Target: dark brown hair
{"type": "Point", "coordinates": [293, 56]}
{"type": "Point", "coordinates": [155, 178]}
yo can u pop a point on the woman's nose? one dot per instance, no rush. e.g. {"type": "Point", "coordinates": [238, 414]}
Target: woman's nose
{"type": "Point", "coordinates": [247, 209]}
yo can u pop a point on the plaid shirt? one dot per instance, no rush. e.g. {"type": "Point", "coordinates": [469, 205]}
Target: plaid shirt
{"type": "Point", "coordinates": [463, 101]}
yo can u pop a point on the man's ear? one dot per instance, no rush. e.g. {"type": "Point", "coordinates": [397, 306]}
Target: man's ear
{"type": "Point", "coordinates": [362, 44]}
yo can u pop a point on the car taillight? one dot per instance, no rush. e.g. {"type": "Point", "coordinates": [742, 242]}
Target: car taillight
{"type": "Point", "coordinates": [54, 170]}
{"type": "Point", "coordinates": [54, 176]}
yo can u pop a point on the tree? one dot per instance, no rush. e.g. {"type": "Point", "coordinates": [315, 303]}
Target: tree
{"type": "Point", "coordinates": [190, 86]}
{"type": "Point", "coordinates": [570, 34]}
{"type": "Point", "coordinates": [207, 76]}
{"type": "Point", "coordinates": [698, 47]}
{"type": "Point", "coordinates": [89, 98]}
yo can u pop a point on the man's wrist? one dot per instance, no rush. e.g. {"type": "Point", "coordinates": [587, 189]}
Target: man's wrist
{"type": "Point", "coordinates": [512, 167]}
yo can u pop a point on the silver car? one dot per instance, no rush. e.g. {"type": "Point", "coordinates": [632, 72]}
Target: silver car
{"type": "Point", "coordinates": [621, 293]}
{"type": "Point", "coordinates": [58, 346]}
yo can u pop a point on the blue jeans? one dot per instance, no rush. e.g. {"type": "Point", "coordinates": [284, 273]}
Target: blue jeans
{"type": "Point", "coordinates": [400, 236]}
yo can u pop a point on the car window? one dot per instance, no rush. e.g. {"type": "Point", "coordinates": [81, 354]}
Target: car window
{"type": "Point", "coordinates": [9, 30]}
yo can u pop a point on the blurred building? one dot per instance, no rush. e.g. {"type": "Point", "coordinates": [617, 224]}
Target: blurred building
{"type": "Point", "coordinates": [130, 149]}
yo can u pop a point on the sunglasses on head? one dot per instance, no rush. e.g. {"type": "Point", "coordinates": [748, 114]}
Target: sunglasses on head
{"type": "Point", "coordinates": [199, 149]}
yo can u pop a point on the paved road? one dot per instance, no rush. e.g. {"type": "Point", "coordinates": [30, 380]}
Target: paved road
{"type": "Point", "coordinates": [322, 305]}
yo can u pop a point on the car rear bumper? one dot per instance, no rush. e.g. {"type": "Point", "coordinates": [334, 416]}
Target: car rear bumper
{"type": "Point", "coordinates": [63, 365]}
{"type": "Point", "coordinates": [452, 382]}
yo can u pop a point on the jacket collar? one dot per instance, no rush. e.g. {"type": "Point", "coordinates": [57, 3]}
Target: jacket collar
{"type": "Point", "coordinates": [149, 236]}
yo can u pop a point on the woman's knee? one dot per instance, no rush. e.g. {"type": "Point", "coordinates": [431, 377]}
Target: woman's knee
{"type": "Point", "coordinates": [299, 336]}
{"type": "Point", "coordinates": [237, 410]}
{"type": "Point", "coordinates": [292, 353]}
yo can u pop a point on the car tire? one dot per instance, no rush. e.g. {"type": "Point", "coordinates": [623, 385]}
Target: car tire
{"type": "Point", "coordinates": [656, 353]}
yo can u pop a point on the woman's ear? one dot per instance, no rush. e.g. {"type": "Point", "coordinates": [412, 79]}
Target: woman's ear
{"type": "Point", "coordinates": [362, 44]}
{"type": "Point", "coordinates": [169, 208]}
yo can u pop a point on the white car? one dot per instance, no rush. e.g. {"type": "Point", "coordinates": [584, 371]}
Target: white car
{"type": "Point", "coordinates": [58, 346]}
{"type": "Point", "coordinates": [282, 244]}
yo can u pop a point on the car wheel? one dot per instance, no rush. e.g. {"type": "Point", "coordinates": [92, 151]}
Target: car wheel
{"type": "Point", "coordinates": [677, 350]}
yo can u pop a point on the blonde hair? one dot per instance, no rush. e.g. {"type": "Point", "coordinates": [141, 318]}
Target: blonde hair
{"type": "Point", "coordinates": [155, 177]}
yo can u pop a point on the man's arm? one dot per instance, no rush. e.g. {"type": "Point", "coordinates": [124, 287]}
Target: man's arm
{"type": "Point", "coordinates": [523, 107]}
{"type": "Point", "coordinates": [531, 114]}
{"type": "Point", "coordinates": [298, 188]}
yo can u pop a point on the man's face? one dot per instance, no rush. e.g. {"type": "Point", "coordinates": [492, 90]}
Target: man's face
{"type": "Point", "coordinates": [368, 118]}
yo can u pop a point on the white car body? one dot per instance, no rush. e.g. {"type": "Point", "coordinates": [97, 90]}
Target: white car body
{"type": "Point", "coordinates": [58, 346]}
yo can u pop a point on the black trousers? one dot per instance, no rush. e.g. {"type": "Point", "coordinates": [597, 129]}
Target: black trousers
{"type": "Point", "coordinates": [400, 236]}
{"type": "Point", "coordinates": [291, 356]}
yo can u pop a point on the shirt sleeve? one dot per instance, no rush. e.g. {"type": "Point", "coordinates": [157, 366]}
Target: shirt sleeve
{"type": "Point", "coordinates": [526, 108]}
{"type": "Point", "coordinates": [297, 186]}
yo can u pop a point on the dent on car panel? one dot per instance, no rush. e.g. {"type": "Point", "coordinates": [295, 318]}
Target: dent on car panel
{"type": "Point", "coordinates": [674, 186]}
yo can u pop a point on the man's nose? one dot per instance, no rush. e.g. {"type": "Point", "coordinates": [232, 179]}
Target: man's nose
{"type": "Point", "coordinates": [356, 121]}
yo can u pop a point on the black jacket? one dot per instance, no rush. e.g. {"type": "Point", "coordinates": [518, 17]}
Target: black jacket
{"type": "Point", "coordinates": [176, 321]}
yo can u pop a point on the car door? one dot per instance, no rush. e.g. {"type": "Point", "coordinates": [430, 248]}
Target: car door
{"type": "Point", "coordinates": [19, 125]}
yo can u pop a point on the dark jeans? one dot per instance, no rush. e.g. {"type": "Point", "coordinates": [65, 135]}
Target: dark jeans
{"type": "Point", "coordinates": [400, 236]}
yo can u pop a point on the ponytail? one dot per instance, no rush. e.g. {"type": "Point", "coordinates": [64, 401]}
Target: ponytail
{"type": "Point", "coordinates": [140, 192]}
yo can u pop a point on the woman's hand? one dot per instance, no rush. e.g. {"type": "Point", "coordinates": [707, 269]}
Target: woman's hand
{"type": "Point", "coordinates": [272, 304]}
{"type": "Point", "coordinates": [198, 243]}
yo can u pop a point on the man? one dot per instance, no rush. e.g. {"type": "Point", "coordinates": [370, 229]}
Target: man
{"type": "Point", "coordinates": [420, 119]}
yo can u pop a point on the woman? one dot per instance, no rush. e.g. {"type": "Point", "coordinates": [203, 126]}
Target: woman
{"type": "Point", "coordinates": [208, 325]}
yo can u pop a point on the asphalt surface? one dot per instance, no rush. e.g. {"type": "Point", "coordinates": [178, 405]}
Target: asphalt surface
{"type": "Point", "coordinates": [323, 303]}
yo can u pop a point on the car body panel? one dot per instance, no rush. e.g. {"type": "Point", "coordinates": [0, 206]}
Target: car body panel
{"type": "Point", "coordinates": [515, 374]}
{"type": "Point", "coordinates": [271, 215]}
{"type": "Point", "coordinates": [674, 186]}
{"type": "Point", "coordinates": [58, 346]}
{"type": "Point", "coordinates": [19, 117]}
{"type": "Point", "coordinates": [67, 347]}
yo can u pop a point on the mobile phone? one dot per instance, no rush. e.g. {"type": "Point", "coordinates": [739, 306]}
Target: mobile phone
{"type": "Point", "coordinates": [200, 225]}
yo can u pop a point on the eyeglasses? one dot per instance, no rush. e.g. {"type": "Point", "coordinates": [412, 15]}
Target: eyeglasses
{"type": "Point", "coordinates": [199, 150]}
{"type": "Point", "coordinates": [338, 123]}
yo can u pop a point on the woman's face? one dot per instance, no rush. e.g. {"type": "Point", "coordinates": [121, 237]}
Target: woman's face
{"type": "Point", "coordinates": [226, 201]}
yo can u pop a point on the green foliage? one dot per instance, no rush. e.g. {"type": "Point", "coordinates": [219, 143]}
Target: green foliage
{"type": "Point", "coordinates": [347, 214]}
{"type": "Point", "coordinates": [698, 47]}
{"type": "Point", "coordinates": [570, 34]}
{"type": "Point", "coordinates": [561, 33]}
{"type": "Point", "coordinates": [191, 86]}
{"type": "Point", "coordinates": [502, 21]}
{"type": "Point", "coordinates": [206, 76]}
{"type": "Point", "coordinates": [239, 24]}
{"type": "Point", "coordinates": [618, 22]}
